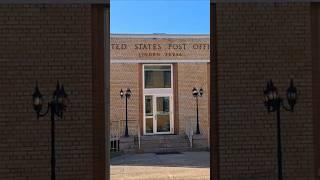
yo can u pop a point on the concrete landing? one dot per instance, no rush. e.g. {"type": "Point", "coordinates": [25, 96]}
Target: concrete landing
{"type": "Point", "coordinates": [149, 166]}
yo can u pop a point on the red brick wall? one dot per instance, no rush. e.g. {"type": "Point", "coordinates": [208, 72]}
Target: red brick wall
{"type": "Point", "coordinates": [257, 42]}
{"type": "Point", "coordinates": [45, 43]}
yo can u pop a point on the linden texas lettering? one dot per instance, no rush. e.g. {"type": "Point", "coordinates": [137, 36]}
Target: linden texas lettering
{"type": "Point", "coordinates": [155, 47]}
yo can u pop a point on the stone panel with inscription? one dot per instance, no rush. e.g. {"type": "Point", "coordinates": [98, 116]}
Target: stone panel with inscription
{"type": "Point", "coordinates": [160, 47]}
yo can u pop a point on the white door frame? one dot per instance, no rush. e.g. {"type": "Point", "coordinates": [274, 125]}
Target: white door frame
{"type": "Point", "coordinates": [157, 92]}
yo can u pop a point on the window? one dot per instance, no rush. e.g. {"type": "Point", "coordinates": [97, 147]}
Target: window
{"type": "Point", "coordinates": [157, 76]}
{"type": "Point", "coordinates": [148, 106]}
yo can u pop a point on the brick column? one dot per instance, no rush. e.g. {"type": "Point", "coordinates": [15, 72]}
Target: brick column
{"type": "Point", "coordinates": [45, 43]}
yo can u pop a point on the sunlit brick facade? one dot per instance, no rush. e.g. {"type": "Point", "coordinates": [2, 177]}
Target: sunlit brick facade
{"type": "Point", "coordinates": [188, 58]}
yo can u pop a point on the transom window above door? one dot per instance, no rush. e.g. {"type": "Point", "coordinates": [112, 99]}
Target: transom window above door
{"type": "Point", "coordinates": [157, 76]}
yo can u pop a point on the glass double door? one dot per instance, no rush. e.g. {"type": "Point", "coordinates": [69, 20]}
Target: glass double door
{"type": "Point", "coordinates": [158, 114]}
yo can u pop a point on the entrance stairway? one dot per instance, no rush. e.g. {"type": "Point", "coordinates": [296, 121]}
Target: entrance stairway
{"type": "Point", "coordinates": [164, 144]}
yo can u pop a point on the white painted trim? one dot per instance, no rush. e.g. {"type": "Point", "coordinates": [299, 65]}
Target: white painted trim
{"type": "Point", "coordinates": [154, 108]}
{"type": "Point", "coordinates": [150, 64]}
{"type": "Point", "coordinates": [158, 92]}
{"type": "Point", "coordinates": [170, 114]}
{"type": "Point", "coordinates": [149, 61]}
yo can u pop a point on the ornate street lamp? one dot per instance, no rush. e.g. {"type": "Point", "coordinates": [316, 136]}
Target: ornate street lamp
{"type": "Point", "coordinates": [197, 93]}
{"type": "Point", "coordinates": [273, 103]}
{"type": "Point", "coordinates": [56, 107]}
{"type": "Point", "coordinates": [127, 95]}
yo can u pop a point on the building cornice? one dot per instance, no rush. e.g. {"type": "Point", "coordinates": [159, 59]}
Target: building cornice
{"type": "Point", "coordinates": [160, 36]}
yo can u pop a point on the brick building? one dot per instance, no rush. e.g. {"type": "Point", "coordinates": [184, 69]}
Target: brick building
{"type": "Point", "coordinates": [161, 71]}
{"type": "Point", "coordinates": [254, 40]}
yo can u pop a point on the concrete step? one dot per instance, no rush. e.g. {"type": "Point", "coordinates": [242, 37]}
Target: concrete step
{"type": "Point", "coordinates": [157, 150]}
{"type": "Point", "coordinates": [182, 145]}
{"type": "Point", "coordinates": [162, 137]}
{"type": "Point", "coordinates": [164, 143]}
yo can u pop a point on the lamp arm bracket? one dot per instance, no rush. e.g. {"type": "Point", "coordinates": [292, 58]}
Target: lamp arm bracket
{"type": "Point", "coordinates": [59, 114]}
{"type": "Point", "coordinates": [271, 110]}
{"type": "Point", "coordinates": [285, 107]}
{"type": "Point", "coordinates": [45, 113]}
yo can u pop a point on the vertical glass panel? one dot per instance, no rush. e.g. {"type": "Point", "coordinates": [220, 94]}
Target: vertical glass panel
{"type": "Point", "coordinates": [148, 106]}
{"type": "Point", "coordinates": [163, 114]}
{"type": "Point", "coordinates": [157, 76]}
{"type": "Point", "coordinates": [167, 79]}
{"type": "Point", "coordinates": [149, 125]}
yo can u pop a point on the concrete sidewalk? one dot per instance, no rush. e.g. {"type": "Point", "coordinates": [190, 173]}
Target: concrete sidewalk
{"type": "Point", "coordinates": [150, 166]}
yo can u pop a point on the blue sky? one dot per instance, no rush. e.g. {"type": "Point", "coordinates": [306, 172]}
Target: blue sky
{"type": "Point", "coordinates": [160, 16]}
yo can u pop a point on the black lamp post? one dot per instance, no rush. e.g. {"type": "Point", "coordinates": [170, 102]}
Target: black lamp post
{"type": "Point", "coordinates": [197, 93]}
{"type": "Point", "coordinates": [273, 103]}
{"type": "Point", "coordinates": [127, 95]}
{"type": "Point", "coordinates": [56, 107]}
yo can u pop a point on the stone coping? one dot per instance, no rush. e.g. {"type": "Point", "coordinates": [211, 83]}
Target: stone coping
{"type": "Point", "coordinates": [159, 35]}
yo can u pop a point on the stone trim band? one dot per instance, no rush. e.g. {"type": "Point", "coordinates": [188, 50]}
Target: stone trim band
{"type": "Point", "coordinates": [129, 61]}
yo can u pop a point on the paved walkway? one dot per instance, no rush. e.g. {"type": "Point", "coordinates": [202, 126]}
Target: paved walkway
{"type": "Point", "coordinates": [149, 166]}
